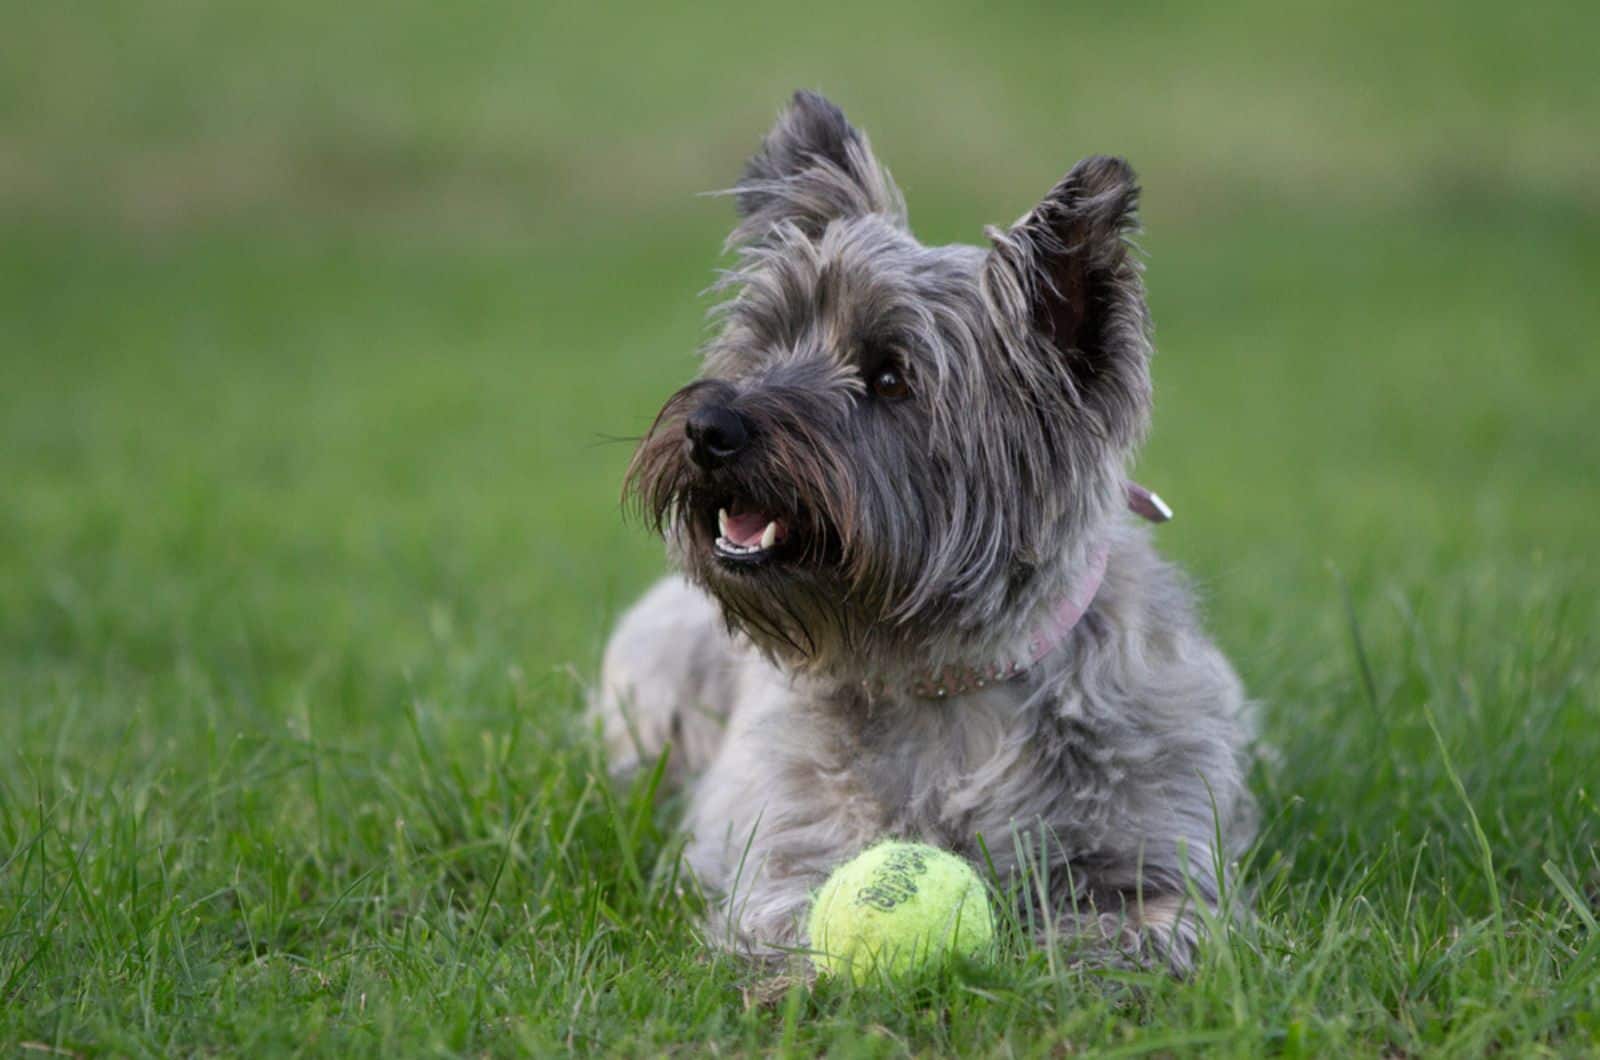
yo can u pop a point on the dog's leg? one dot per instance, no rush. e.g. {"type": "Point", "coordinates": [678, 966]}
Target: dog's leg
{"type": "Point", "coordinates": [1168, 927]}
{"type": "Point", "coordinates": [773, 815]}
{"type": "Point", "coordinates": [1157, 924]}
{"type": "Point", "coordinates": [666, 683]}
{"type": "Point", "coordinates": [1149, 932]}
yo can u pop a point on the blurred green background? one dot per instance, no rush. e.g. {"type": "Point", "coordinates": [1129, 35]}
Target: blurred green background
{"type": "Point", "coordinates": [365, 290]}
{"type": "Point", "coordinates": [320, 325]}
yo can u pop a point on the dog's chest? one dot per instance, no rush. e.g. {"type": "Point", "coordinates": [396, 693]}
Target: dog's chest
{"type": "Point", "coordinates": [950, 770]}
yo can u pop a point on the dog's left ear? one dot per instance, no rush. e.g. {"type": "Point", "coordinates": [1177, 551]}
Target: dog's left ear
{"type": "Point", "coordinates": [1067, 272]}
{"type": "Point", "coordinates": [813, 167]}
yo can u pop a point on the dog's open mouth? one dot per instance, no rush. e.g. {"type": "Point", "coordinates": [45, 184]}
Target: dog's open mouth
{"type": "Point", "coordinates": [748, 535]}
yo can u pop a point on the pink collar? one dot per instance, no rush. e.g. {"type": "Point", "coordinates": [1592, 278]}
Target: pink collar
{"type": "Point", "coordinates": [1050, 634]}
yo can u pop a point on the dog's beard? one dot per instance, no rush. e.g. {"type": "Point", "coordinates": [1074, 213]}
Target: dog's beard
{"type": "Point", "coordinates": [763, 535]}
{"type": "Point", "coordinates": [773, 562]}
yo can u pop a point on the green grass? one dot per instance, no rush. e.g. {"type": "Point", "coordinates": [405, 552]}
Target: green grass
{"type": "Point", "coordinates": [315, 334]}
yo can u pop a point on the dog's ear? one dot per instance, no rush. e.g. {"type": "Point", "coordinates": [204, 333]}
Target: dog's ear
{"type": "Point", "coordinates": [812, 168]}
{"type": "Point", "coordinates": [1067, 272]}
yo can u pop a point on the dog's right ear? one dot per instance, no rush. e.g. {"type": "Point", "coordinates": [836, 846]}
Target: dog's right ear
{"type": "Point", "coordinates": [813, 167]}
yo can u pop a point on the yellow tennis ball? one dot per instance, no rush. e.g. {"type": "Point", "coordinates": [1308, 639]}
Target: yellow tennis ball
{"type": "Point", "coordinates": [899, 907]}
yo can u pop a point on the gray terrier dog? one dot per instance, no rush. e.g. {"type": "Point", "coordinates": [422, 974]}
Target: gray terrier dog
{"type": "Point", "coordinates": [913, 602]}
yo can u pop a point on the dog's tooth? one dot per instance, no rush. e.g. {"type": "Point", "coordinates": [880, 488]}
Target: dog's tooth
{"type": "Point", "coordinates": [722, 522]}
{"type": "Point", "coordinates": [769, 536]}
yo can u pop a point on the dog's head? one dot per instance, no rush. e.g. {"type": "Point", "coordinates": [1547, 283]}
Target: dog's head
{"type": "Point", "coordinates": [896, 449]}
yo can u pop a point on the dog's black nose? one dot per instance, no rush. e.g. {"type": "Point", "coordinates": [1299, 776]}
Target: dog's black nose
{"type": "Point", "coordinates": [716, 434]}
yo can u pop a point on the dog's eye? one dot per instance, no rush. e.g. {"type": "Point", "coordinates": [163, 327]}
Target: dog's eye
{"type": "Point", "coordinates": [890, 385]}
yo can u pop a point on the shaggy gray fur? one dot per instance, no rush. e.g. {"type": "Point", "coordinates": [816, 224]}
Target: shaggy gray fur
{"type": "Point", "coordinates": [930, 528]}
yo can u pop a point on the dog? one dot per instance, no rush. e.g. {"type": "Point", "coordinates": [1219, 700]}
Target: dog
{"type": "Point", "coordinates": [912, 599]}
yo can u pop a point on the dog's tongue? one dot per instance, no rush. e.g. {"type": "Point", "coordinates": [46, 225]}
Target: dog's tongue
{"type": "Point", "coordinates": [746, 529]}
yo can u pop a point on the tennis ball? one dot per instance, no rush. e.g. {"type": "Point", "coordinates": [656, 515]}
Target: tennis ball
{"type": "Point", "coordinates": [899, 907]}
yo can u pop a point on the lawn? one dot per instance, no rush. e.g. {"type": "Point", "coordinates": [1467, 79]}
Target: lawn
{"type": "Point", "coordinates": [322, 331]}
